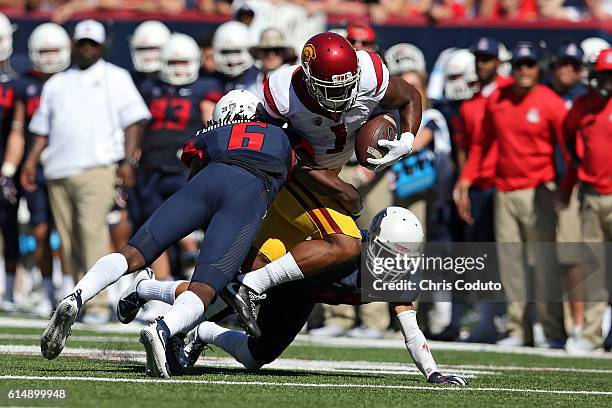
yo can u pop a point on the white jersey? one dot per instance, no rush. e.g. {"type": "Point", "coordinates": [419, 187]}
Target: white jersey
{"type": "Point", "coordinates": [332, 142]}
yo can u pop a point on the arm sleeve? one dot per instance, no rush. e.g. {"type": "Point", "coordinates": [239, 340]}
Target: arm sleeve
{"type": "Point", "coordinates": [481, 143]}
{"type": "Point", "coordinates": [131, 108]}
{"type": "Point", "coordinates": [41, 121]}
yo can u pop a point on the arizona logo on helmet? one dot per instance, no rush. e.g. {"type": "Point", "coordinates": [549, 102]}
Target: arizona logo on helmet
{"type": "Point", "coordinates": [308, 53]}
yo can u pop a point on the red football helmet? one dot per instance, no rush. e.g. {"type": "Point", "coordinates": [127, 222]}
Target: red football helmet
{"type": "Point", "coordinates": [332, 71]}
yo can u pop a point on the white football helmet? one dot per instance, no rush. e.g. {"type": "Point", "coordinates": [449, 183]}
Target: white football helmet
{"type": "Point", "coordinates": [49, 48]}
{"type": "Point", "coordinates": [394, 231]}
{"type": "Point", "coordinates": [6, 38]}
{"type": "Point", "coordinates": [180, 60]}
{"type": "Point", "coordinates": [237, 102]}
{"type": "Point", "coordinates": [591, 47]}
{"type": "Point", "coordinates": [231, 44]}
{"type": "Point", "coordinates": [146, 44]}
{"type": "Point", "coordinates": [460, 76]}
{"type": "Point", "coordinates": [404, 58]}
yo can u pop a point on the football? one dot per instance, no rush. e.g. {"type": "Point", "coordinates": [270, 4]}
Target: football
{"type": "Point", "coordinates": [366, 145]}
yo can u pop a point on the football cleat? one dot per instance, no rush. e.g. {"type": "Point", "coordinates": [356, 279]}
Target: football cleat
{"type": "Point", "coordinates": [174, 352]}
{"type": "Point", "coordinates": [437, 378]}
{"type": "Point", "coordinates": [53, 339]}
{"type": "Point", "coordinates": [193, 349]}
{"type": "Point", "coordinates": [155, 338]}
{"type": "Point", "coordinates": [130, 303]}
{"type": "Point", "coordinates": [244, 301]}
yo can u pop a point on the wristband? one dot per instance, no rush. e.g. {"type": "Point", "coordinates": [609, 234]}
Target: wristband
{"type": "Point", "coordinates": [8, 169]}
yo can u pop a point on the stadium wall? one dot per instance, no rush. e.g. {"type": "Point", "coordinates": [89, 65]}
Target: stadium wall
{"type": "Point", "coordinates": [429, 37]}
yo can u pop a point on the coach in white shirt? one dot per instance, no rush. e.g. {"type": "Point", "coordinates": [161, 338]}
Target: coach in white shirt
{"type": "Point", "coordinates": [90, 118]}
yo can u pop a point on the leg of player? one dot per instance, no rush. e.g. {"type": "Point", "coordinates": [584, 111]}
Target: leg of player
{"type": "Point", "coordinates": [308, 258]}
{"type": "Point", "coordinates": [281, 318]}
{"type": "Point", "coordinates": [106, 271]}
{"type": "Point", "coordinates": [419, 349]}
{"type": "Point", "coordinates": [236, 217]}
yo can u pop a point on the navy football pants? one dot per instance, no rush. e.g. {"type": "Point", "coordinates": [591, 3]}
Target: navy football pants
{"type": "Point", "coordinates": [228, 202]}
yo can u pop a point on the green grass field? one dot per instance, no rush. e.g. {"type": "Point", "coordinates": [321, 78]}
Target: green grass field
{"type": "Point", "coordinates": [106, 369]}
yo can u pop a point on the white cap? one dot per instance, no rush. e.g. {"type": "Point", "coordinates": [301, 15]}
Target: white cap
{"type": "Point", "coordinates": [91, 30]}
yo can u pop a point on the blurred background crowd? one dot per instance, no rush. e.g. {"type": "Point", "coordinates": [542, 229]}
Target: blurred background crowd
{"type": "Point", "coordinates": [379, 11]}
{"type": "Point", "coordinates": [120, 132]}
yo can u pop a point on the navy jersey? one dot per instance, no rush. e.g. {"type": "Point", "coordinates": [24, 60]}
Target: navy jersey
{"type": "Point", "coordinates": [264, 149]}
{"type": "Point", "coordinates": [242, 81]}
{"type": "Point", "coordinates": [28, 89]}
{"type": "Point", "coordinates": [176, 117]}
{"type": "Point", "coordinates": [7, 104]}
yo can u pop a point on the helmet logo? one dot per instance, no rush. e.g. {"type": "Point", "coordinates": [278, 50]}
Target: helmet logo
{"type": "Point", "coordinates": [342, 78]}
{"type": "Point", "coordinates": [308, 53]}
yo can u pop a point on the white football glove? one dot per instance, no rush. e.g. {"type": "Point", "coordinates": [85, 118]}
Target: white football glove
{"type": "Point", "coordinates": [397, 150]}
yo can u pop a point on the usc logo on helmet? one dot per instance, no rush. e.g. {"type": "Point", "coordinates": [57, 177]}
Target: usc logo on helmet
{"type": "Point", "coordinates": [308, 53]}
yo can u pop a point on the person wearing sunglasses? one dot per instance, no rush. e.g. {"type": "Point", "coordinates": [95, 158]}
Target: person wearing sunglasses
{"type": "Point", "coordinates": [361, 37]}
{"type": "Point", "coordinates": [525, 119]}
{"type": "Point", "coordinates": [271, 53]}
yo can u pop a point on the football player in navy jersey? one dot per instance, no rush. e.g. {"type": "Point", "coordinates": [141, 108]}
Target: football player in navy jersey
{"type": "Point", "coordinates": [235, 68]}
{"type": "Point", "coordinates": [146, 44]}
{"type": "Point", "coordinates": [180, 103]}
{"type": "Point", "coordinates": [244, 163]}
{"type": "Point", "coordinates": [286, 308]}
{"type": "Point", "coordinates": [49, 51]}
{"type": "Point", "coordinates": [8, 192]}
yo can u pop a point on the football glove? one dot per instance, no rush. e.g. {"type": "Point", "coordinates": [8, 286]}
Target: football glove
{"type": "Point", "coordinates": [437, 378]}
{"type": "Point", "coordinates": [397, 149]}
{"type": "Point", "coordinates": [8, 191]}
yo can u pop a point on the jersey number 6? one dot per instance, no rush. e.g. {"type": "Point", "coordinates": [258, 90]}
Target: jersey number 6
{"type": "Point", "coordinates": [241, 139]}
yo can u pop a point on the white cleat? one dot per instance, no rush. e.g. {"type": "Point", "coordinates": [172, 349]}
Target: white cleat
{"type": "Point", "coordinates": [154, 338]}
{"type": "Point", "coordinates": [53, 339]}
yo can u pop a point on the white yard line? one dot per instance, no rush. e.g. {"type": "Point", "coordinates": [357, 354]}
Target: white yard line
{"type": "Point", "coordinates": [289, 364]}
{"type": "Point", "coordinates": [372, 367]}
{"type": "Point", "coordinates": [303, 339]}
{"type": "Point", "coordinates": [110, 339]}
{"type": "Point", "coordinates": [305, 385]}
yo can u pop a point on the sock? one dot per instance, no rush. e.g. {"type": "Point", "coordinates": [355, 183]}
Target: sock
{"type": "Point", "coordinates": [67, 286]}
{"type": "Point", "coordinates": [105, 272]}
{"type": "Point", "coordinates": [416, 344]}
{"type": "Point", "coordinates": [10, 287]}
{"type": "Point", "coordinates": [284, 269]}
{"type": "Point", "coordinates": [231, 341]}
{"type": "Point", "coordinates": [163, 291]}
{"type": "Point", "coordinates": [185, 311]}
{"type": "Point", "coordinates": [49, 288]}
{"type": "Point", "coordinates": [215, 307]}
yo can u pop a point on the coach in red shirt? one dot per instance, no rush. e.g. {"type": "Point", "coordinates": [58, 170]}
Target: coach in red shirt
{"type": "Point", "coordinates": [589, 125]}
{"type": "Point", "coordinates": [525, 120]}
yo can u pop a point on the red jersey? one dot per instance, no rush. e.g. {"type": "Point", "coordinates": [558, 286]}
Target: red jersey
{"type": "Point", "coordinates": [526, 128]}
{"type": "Point", "coordinates": [478, 169]}
{"type": "Point", "coordinates": [589, 123]}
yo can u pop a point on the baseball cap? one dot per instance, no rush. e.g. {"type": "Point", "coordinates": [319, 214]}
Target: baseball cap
{"type": "Point", "coordinates": [570, 50]}
{"type": "Point", "coordinates": [486, 45]}
{"type": "Point", "coordinates": [90, 30]}
{"type": "Point", "coordinates": [604, 61]}
{"type": "Point", "coordinates": [360, 32]}
{"type": "Point", "coordinates": [525, 51]}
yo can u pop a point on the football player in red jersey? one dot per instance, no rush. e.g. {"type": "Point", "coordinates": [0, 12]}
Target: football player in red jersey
{"type": "Point", "coordinates": [326, 100]}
